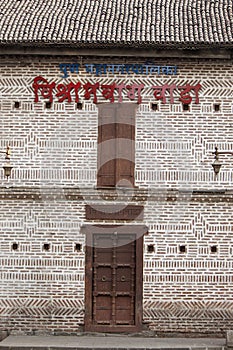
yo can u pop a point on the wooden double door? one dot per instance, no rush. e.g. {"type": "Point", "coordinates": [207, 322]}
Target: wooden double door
{"type": "Point", "coordinates": [114, 282]}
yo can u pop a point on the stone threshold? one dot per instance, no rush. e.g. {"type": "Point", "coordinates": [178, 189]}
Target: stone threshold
{"type": "Point", "coordinates": [109, 342]}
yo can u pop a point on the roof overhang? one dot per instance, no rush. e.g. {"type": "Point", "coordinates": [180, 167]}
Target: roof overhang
{"type": "Point", "coordinates": [118, 51]}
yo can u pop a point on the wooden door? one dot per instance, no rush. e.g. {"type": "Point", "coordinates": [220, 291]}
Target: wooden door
{"type": "Point", "coordinates": [114, 283]}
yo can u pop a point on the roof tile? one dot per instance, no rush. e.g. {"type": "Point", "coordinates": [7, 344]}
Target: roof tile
{"type": "Point", "coordinates": [98, 22]}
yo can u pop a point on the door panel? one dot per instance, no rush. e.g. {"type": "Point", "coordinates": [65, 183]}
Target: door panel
{"type": "Point", "coordinates": [102, 309]}
{"type": "Point", "coordinates": [103, 279]}
{"type": "Point", "coordinates": [125, 280]}
{"type": "Point", "coordinates": [106, 155]}
{"type": "Point", "coordinates": [124, 315]}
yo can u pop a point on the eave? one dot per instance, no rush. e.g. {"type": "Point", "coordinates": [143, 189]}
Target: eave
{"type": "Point", "coordinates": [223, 51]}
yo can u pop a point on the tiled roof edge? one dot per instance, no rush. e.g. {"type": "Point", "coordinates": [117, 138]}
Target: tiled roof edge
{"type": "Point", "coordinates": [110, 44]}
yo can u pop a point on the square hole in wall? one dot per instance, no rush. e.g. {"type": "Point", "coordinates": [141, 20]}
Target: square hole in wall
{"type": "Point", "coordinates": [150, 248]}
{"type": "Point", "coordinates": [46, 246]}
{"type": "Point", "coordinates": [17, 104]}
{"type": "Point", "coordinates": [48, 105]}
{"type": "Point", "coordinates": [78, 247]}
{"type": "Point", "coordinates": [213, 249]}
{"type": "Point", "coordinates": [182, 248]}
{"type": "Point", "coordinates": [217, 107]}
{"type": "Point", "coordinates": [15, 246]}
{"type": "Point", "coordinates": [79, 105]}
{"type": "Point", "coordinates": [186, 107]}
{"type": "Point", "coordinates": [154, 106]}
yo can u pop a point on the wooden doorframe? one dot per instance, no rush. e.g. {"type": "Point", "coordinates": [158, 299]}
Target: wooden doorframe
{"type": "Point", "coordinates": [139, 231]}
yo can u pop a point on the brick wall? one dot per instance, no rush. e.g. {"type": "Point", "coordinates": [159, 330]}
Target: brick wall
{"type": "Point", "coordinates": [54, 154]}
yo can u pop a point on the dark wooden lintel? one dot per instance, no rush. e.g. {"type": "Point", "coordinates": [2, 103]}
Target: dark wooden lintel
{"type": "Point", "coordinates": [114, 212]}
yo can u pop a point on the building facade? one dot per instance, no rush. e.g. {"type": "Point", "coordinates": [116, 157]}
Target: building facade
{"type": "Point", "coordinates": [113, 219]}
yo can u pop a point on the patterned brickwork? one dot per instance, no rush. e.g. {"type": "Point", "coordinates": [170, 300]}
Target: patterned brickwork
{"type": "Point", "coordinates": [178, 143]}
{"type": "Point", "coordinates": [42, 270]}
{"type": "Point", "coordinates": [38, 285]}
{"type": "Point", "coordinates": [195, 284]}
